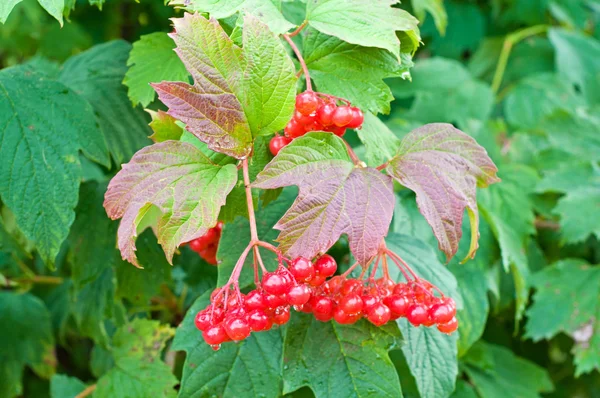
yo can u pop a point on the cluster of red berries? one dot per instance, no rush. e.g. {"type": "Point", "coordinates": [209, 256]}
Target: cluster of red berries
{"type": "Point", "coordinates": [380, 301]}
{"type": "Point", "coordinates": [316, 112]}
{"type": "Point", "coordinates": [232, 316]}
{"type": "Point", "coordinates": [206, 245]}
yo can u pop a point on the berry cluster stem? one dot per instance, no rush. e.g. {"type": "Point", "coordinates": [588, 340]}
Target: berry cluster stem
{"type": "Point", "coordinates": [288, 38]}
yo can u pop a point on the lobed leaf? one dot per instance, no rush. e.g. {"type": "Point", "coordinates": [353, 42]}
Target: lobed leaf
{"type": "Point", "coordinates": [177, 180]}
{"type": "Point", "coordinates": [335, 198]}
{"type": "Point", "coordinates": [237, 93]}
{"type": "Point", "coordinates": [370, 24]}
{"type": "Point", "coordinates": [444, 166]}
{"type": "Point", "coordinates": [165, 127]}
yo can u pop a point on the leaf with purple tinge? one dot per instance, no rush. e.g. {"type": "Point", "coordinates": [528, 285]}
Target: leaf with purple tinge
{"type": "Point", "coordinates": [443, 166]}
{"type": "Point", "coordinates": [237, 93]}
{"type": "Point", "coordinates": [335, 197]}
{"type": "Point", "coordinates": [176, 180]}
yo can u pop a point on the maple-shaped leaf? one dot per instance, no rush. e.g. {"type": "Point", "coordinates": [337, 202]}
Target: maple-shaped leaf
{"type": "Point", "coordinates": [237, 93]}
{"type": "Point", "coordinates": [443, 166]}
{"type": "Point", "coordinates": [179, 181]}
{"type": "Point", "coordinates": [335, 197]}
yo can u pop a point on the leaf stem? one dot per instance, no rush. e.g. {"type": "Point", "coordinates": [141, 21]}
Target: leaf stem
{"type": "Point", "coordinates": [301, 60]}
{"type": "Point", "coordinates": [86, 392]}
{"type": "Point", "coordinates": [298, 29]}
{"type": "Point", "coordinates": [40, 279]}
{"type": "Point", "coordinates": [509, 42]}
{"type": "Point", "coordinates": [249, 202]}
{"type": "Point", "coordinates": [353, 155]}
{"type": "Point", "coordinates": [382, 166]}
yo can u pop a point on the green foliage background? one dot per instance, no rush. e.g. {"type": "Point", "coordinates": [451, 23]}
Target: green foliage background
{"type": "Point", "coordinates": [520, 76]}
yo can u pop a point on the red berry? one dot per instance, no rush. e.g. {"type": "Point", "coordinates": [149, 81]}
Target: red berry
{"type": "Point", "coordinates": [417, 314]}
{"type": "Point", "coordinates": [254, 301]}
{"type": "Point", "coordinates": [342, 116]}
{"type": "Point", "coordinates": [339, 131]}
{"type": "Point", "coordinates": [306, 307]}
{"type": "Point", "coordinates": [294, 129]}
{"type": "Point", "coordinates": [237, 328]}
{"type": "Point", "coordinates": [277, 143]}
{"type": "Point", "coordinates": [448, 327]}
{"type": "Point", "coordinates": [368, 302]}
{"type": "Point", "coordinates": [351, 304]}
{"type": "Point", "coordinates": [451, 304]}
{"type": "Point", "coordinates": [333, 285]}
{"type": "Point", "coordinates": [217, 314]}
{"type": "Point", "coordinates": [305, 120]}
{"type": "Point", "coordinates": [298, 295]}
{"type": "Point", "coordinates": [322, 306]}
{"type": "Point", "coordinates": [199, 244]}
{"type": "Point", "coordinates": [379, 314]}
{"type": "Point", "coordinates": [275, 283]}
{"type": "Point", "coordinates": [202, 320]}
{"type": "Point", "coordinates": [272, 301]}
{"type": "Point", "coordinates": [397, 304]}
{"type": "Point", "coordinates": [281, 316]}
{"type": "Point", "coordinates": [400, 288]}
{"type": "Point", "coordinates": [343, 318]}
{"type": "Point", "coordinates": [317, 280]}
{"type": "Point", "coordinates": [325, 265]}
{"type": "Point", "coordinates": [214, 335]}
{"type": "Point", "coordinates": [350, 286]}
{"type": "Point", "coordinates": [357, 119]}
{"type": "Point", "coordinates": [258, 320]}
{"type": "Point", "coordinates": [302, 269]}
{"type": "Point", "coordinates": [323, 317]}
{"type": "Point", "coordinates": [325, 114]}
{"type": "Point", "coordinates": [307, 102]}
{"type": "Point", "coordinates": [441, 313]}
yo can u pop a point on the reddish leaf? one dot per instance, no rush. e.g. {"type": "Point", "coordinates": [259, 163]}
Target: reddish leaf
{"type": "Point", "coordinates": [335, 198]}
{"type": "Point", "coordinates": [444, 166]}
{"type": "Point", "coordinates": [172, 186]}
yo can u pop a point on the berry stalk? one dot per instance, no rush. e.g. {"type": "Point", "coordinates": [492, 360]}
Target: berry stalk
{"type": "Point", "coordinates": [301, 60]}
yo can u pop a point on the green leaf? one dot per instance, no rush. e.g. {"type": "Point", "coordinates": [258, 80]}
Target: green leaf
{"type": "Point", "coordinates": [236, 94]}
{"type": "Point", "coordinates": [561, 127]}
{"type": "Point", "coordinates": [6, 7]}
{"type": "Point", "coordinates": [97, 75]}
{"type": "Point", "coordinates": [165, 127]}
{"type": "Point", "coordinates": [340, 360]}
{"type": "Point", "coordinates": [139, 285]}
{"type": "Point", "coordinates": [430, 354]}
{"type": "Point", "coordinates": [575, 210]}
{"type": "Point", "coordinates": [437, 11]}
{"type": "Point", "coordinates": [26, 339]}
{"type": "Point", "coordinates": [496, 372]}
{"type": "Point", "coordinates": [268, 11]}
{"type": "Point", "coordinates": [351, 71]}
{"type": "Point", "coordinates": [158, 179]}
{"type": "Point", "coordinates": [54, 8]}
{"type": "Point", "coordinates": [152, 59]}
{"type": "Point", "coordinates": [464, 390]}
{"type": "Point", "coordinates": [137, 372]}
{"type": "Point", "coordinates": [537, 97]}
{"type": "Point", "coordinates": [335, 198]}
{"type": "Point", "coordinates": [567, 300]}
{"type": "Point", "coordinates": [45, 127]}
{"type": "Point", "coordinates": [498, 206]}
{"type": "Point", "coordinates": [578, 60]}
{"type": "Point", "coordinates": [444, 91]}
{"type": "Point", "coordinates": [380, 143]}
{"type": "Point", "coordinates": [62, 386]}
{"type": "Point", "coordinates": [369, 24]}
{"type": "Point", "coordinates": [252, 366]}
{"type": "Point", "coordinates": [439, 152]}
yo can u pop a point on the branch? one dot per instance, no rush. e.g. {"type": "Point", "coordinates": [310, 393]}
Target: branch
{"type": "Point", "coordinates": [298, 29]}
{"type": "Point", "coordinates": [301, 60]}
{"type": "Point", "coordinates": [249, 202]}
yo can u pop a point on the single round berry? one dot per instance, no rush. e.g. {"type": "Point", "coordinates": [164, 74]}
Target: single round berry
{"type": "Point", "coordinates": [350, 286]}
{"type": "Point", "coordinates": [342, 116]}
{"type": "Point", "coordinates": [277, 143]}
{"type": "Point", "coordinates": [274, 283]}
{"type": "Point", "coordinates": [401, 288]}
{"type": "Point", "coordinates": [325, 265]}
{"type": "Point", "coordinates": [322, 305]}
{"type": "Point", "coordinates": [307, 102]}
{"type": "Point", "coordinates": [200, 244]}
{"type": "Point", "coordinates": [379, 314]}
{"type": "Point", "coordinates": [281, 315]}
{"type": "Point", "coordinates": [397, 304]}
{"type": "Point", "coordinates": [448, 327]}
{"type": "Point", "coordinates": [203, 320]}
{"type": "Point", "coordinates": [237, 328]}
{"type": "Point", "coordinates": [441, 313]}
{"type": "Point", "coordinates": [357, 119]}
{"type": "Point", "coordinates": [333, 285]}
{"type": "Point", "coordinates": [273, 301]}
{"type": "Point", "coordinates": [325, 114]}
{"type": "Point", "coordinates": [317, 280]}
{"type": "Point", "coordinates": [306, 307]}
{"type": "Point", "coordinates": [305, 120]}
{"type": "Point", "coordinates": [217, 314]}
{"type": "Point", "coordinates": [294, 129]}
{"type": "Point", "coordinates": [451, 304]}
{"type": "Point", "coordinates": [343, 318]}
{"type": "Point", "coordinates": [298, 295]}
{"type": "Point", "coordinates": [254, 301]}
{"type": "Point", "coordinates": [417, 314]}
{"type": "Point", "coordinates": [323, 317]}
{"type": "Point", "coordinates": [369, 301]}
{"type": "Point", "coordinates": [302, 269]}
{"type": "Point", "coordinates": [214, 335]}
{"type": "Point", "coordinates": [339, 131]}
{"type": "Point", "coordinates": [258, 320]}
{"type": "Point", "coordinates": [351, 304]}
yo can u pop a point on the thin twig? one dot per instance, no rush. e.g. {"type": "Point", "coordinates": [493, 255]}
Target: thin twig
{"type": "Point", "coordinates": [86, 392]}
{"type": "Point", "coordinates": [298, 29]}
{"type": "Point", "coordinates": [301, 60]}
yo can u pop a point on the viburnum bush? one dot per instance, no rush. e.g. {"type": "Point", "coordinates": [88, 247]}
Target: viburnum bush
{"type": "Point", "coordinates": [299, 198]}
